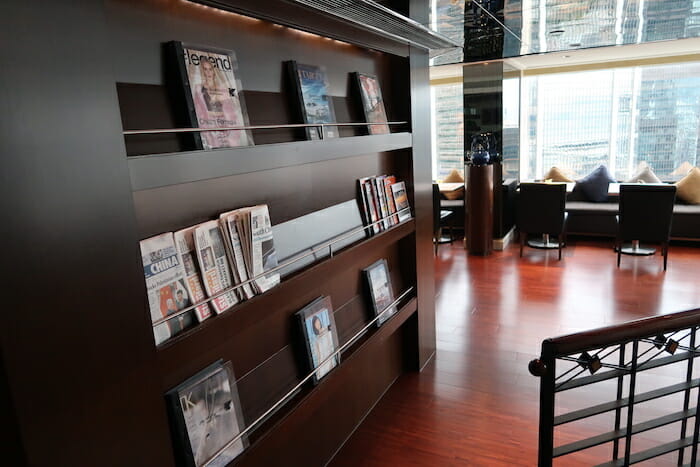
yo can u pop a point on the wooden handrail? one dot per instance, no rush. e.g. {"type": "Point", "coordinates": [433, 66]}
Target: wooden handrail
{"type": "Point", "coordinates": [620, 333]}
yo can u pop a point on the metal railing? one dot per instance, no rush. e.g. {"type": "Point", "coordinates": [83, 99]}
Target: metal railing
{"type": "Point", "coordinates": [623, 354]}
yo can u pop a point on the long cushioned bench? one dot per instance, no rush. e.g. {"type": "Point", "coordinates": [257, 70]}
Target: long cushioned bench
{"type": "Point", "coordinates": [589, 218]}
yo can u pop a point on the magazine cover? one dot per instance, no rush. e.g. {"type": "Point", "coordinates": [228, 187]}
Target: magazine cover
{"type": "Point", "coordinates": [320, 335]}
{"type": "Point", "coordinates": [263, 254]}
{"type": "Point", "coordinates": [184, 243]}
{"type": "Point", "coordinates": [213, 94]}
{"type": "Point", "coordinates": [216, 272]}
{"type": "Point", "coordinates": [372, 204]}
{"type": "Point", "coordinates": [206, 415]}
{"type": "Point", "coordinates": [316, 104]}
{"type": "Point", "coordinates": [388, 181]}
{"type": "Point", "coordinates": [381, 198]}
{"type": "Point", "coordinates": [364, 205]}
{"type": "Point", "coordinates": [401, 200]}
{"type": "Point", "coordinates": [165, 285]}
{"type": "Point", "coordinates": [380, 291]}
{"type": "Point", "coordinates": [372, 103]}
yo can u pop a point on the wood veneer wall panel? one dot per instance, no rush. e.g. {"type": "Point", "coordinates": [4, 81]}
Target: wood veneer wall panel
{"type": "Point", "coordinates": [422, 191]}
{"type": "Point", "coordinates": [290, 192]}
{"type": "Point", "coordinates": [256, 329]}
{"type": "Point", "coordinates": [77, 345]}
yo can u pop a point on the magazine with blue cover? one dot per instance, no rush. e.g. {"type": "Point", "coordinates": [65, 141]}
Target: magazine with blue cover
{"type": "Point", "coordinates": [316, 104]}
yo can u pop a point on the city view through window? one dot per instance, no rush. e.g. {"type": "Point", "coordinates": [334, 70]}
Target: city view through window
{"type": "Point", "coordinates": [622, 117]}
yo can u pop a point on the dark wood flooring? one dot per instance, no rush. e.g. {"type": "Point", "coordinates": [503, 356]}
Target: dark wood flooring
{"type": "Point", "coordinates": [475, 403]}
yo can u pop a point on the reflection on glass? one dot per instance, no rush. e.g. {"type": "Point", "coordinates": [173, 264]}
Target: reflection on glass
{"type": "Point", "coordinates": [635, 116]}
{"type": "Point", "coordinates": [510, 28]}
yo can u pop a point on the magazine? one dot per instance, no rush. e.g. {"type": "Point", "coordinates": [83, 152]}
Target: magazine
{"type": "Point", "coordinates": [213, 94]}
{"type": "Point", "coordinates": [184, 243]}
{"type": "Point", "coordinates": [381, 200]}
{"type": "Point", "coordinates": [228, 226]}
{"type": "Point", "coordinates": [315, 101]}
{"type": "Point", "coordinates": [372, 103]}
{"type": "Point", "coordinates": [320, 335]}
{"type": "Point", "coordinates": [165, 285]}
{"type": "Point", "coordinates": [388, 181]}
{"type": "Point", "coordinates": [401, 200]}
{"type": "Point", "coordinates": [206, 415]}
{"type": "Point", "coordinates": [380, 291]}
{"type": "Point", "coordinates": [372, 204]}
{"type": "Point", "coordinates": [216, 272]}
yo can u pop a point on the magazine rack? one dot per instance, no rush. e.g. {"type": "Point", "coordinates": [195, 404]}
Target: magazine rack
{"type": "Point", "coordinates": [81, 332]}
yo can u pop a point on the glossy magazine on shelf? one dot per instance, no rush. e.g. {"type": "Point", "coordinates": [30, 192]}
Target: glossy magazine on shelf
{"type": "Point", "coordinates": [212, 92]}
{"type": "Point", "coordinates": [379, 289]}
{"type": "Point", "coordinates": [372, 103]}
{"type": "Point", "coordinates": [315, 102]}
{"type": "Point", "coordinates": [205, 416]}
{"type": "Point", "coordinates": [320, 336]}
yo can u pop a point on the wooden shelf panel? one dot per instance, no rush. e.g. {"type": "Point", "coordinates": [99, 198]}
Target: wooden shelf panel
{"type": "Point", "coordinates": [240, 326]}
{"type": "Point", "coordinates": [160, 170]}
{"type": "Point", "coordinates": [333, 395]}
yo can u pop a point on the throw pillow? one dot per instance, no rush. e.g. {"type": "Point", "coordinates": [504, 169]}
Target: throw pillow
{"type": "Point", "coordinates": [688, 188]}
{"type": "Point", "coordinates": [556, 175]}
{"type": "Point", "coordinates": [594, 186]}
{"type": "Point", "coordinates": [644, 175]}
{"type": "Point", "coordinates": [454, 177]}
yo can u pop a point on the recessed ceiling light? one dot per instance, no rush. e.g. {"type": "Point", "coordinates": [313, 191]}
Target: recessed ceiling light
{"type": "Point", "coordinates": [566, 56]}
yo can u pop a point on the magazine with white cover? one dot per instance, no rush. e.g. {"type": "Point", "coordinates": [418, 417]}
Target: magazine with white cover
{"type": "Point", "coordinates": [372, 204]}
{"type": "Point", "coordinates": [216, 272]}
{"type": "Point", "coordinates": [388, 181]}
{"type": "Point", "coordinates": [228, 221]}
{"type": "Point", "coordinates": [401, 200]}
{"type": "Point", "coordinates": [381, 197]}
{"type": "Point", "coordinates": [184, 243]}
{"type": "Point", "coordinates": [165, 285]}
{"type": "Point", "coordinates": [263, 254]}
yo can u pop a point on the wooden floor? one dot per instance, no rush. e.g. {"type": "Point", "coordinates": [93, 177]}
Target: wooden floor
{"type": "Point", "coordinates": [475, 403]}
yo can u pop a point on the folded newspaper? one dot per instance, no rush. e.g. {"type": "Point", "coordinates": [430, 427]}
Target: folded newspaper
{"type": "Point", "coordinates": [216, 272]}
{"type": "Point", "coordinates": [184, 243]}
{"type": "Point", "coordinates": [260, 246]}
{"type": "Point", "coordinates": [165, 285]}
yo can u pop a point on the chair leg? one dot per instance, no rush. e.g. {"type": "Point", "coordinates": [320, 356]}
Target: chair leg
{"type": "Point", "coordinates": [618, 247]}
{"type": "Point", "coordinates": [522, 242]}
{"type": "Point", "coordinates": [665, 252]}
{"type": "Point", "coordinates": [436, 241]}
{"type": "Point", "coordinates": [561, 239]}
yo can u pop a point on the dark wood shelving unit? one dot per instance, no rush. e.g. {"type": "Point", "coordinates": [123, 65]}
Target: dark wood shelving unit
{"type": "Point", "coordinates": [153, 171]}
{"type": "Point", "coordinates": [80, 196]}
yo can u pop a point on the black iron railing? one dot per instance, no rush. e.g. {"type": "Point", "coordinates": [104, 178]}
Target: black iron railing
{"type": "Point", "coordinates": [649, 410]}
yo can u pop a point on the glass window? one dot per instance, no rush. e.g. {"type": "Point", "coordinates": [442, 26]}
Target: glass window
{"type": "Point", "coordinates": [624, 118]}
{"type": "Point", "coordinates": [448, 129]}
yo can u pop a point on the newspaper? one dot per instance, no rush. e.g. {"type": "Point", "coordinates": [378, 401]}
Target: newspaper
{"type": "Point", "coordinates": [260, 245]}
{"type": "Point", "coordinates": [216, 272]}
{"type": "Point", "coordinates": [165, 285]}
{"type": "Point", "coordinates": [233, 240]}
{"type": "Point", "coordinates": [184, 243]}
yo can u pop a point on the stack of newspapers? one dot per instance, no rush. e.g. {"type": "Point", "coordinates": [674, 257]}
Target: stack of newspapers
{"type": "Point", "coordinates": [209, 266]}
{"type": "Point", "coordinates": [384, 202]}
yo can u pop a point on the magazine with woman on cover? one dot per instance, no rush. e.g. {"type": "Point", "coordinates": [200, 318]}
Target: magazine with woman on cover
{"type": "Point", "coordinates": [321, 336]}
{"type": "Point", "coordinates": [213, 94]}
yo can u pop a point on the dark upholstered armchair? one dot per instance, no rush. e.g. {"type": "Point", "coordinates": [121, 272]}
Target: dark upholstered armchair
{"type": "Point", "coordinates": [542, 210]}
{"type": "Point", "coordinates": [645, 216]}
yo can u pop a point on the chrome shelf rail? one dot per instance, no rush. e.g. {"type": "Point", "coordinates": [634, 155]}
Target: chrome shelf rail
{"type": "Point", "coordinates": [298, 386]}
{"type": "Point", "coordinates": [328, 245]}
